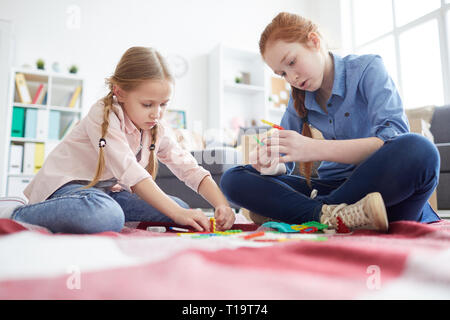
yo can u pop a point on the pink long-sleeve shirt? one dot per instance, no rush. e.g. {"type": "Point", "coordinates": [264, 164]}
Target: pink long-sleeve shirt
{"type": "Point", "coordinates": [75, 158]}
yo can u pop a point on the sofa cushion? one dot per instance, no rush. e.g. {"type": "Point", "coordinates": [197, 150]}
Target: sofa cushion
{"type": "Point", "coordinates": [444, 152]}
{"type": "Point", "coordinates": [443, 196]}
{"type": "Point", "coordinates": [440, 124]}
{"type": "Point", "coordinates": [216, 161]}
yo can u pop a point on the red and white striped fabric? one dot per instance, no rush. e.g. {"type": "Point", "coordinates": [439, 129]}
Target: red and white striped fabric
{"type": "Point", "coordinates": [412, 261]}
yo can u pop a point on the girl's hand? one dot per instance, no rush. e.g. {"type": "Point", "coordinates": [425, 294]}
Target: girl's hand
{"type": "Point", "coordinates": [116, 188]}
{"type": "Point", "coordinates": [193, 218]}
{"type": "Point", "coordinates": [225, 217]}
{"type": "Point", "coordinates": [261, 157]}
{"type": "Point", "coordinates": [292, 144]}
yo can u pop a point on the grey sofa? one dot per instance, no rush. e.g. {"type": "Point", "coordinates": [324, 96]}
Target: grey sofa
{"type": "Point", "coordinates": [440, 128]}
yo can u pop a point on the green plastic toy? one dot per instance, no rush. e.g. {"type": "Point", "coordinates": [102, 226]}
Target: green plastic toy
{"type": "Point", "coordinates": [285, 227]}
{"type": "Point", "coordinates": [280, 226]}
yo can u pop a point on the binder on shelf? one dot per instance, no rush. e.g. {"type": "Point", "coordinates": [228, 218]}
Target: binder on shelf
{"type": "Point", "coordinates": [42, 124]}
{"type": "Point", "coordinates": [74, 97]}
{"type": "Point", "coordinates": [44, 101]}
{"type": "Point", "coordinates": [16, 185]}
{"type": "Point", "coordinates": [22, 88]}
{"type": "Point", "coordinates": [17, 127]}
{"type": "Point", "coordinates": [28, 157]}
{"type": "Point", "coordinates": [54, 124]}
{"type": "Point", "coordinates": [15, 158]}
{"type": "Point", "coordinates": [40, 94]}
{"type": "Point", "coordinates": [30, 122]}
{"type": "Point", "coordinates": [39, 155]}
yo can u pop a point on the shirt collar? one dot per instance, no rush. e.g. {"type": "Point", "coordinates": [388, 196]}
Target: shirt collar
{"type": "Point", "coordinates": [339, 76]}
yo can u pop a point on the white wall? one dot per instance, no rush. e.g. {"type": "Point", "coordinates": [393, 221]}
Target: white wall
{"type": "Point", "coordinates": [332, 18]}
{"type": "Point", "coordinates": [108, 27]}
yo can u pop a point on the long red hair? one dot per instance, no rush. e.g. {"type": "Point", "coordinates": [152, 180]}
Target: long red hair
{"type": "Point", "coordinates": [290, 28]}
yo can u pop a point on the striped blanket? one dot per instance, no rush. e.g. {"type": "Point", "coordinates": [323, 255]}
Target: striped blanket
{"type": "Point", "coordinates": [412, 261]}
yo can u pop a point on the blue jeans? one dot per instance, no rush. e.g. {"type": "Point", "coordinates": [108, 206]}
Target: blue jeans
{"type": "Point", "coordinates": [405, 170]}
{"type": "Point", "coordinates": [71, 209]}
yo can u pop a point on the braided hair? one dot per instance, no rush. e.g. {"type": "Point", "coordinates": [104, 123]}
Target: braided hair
{"type": "Point", "coordinates": [136, 65]}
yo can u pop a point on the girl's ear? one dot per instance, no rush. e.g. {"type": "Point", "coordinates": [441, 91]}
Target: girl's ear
{"type": "Point", "coordinates": [314, 40]}
{"type": "Point", "coordinates": [119, 93]}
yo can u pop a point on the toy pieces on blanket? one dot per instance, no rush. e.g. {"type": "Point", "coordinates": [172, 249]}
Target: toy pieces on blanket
{"type": "Point", "coordinates": [275, 236]}
{"type": "Point", "coordinates": [308, 227]}
{"type": "Point", "coordinates": [210, 234]}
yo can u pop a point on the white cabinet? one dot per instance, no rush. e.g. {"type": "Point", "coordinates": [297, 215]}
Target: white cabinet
{"type": "Point", "coordinates": [239, 89]}
{"type": "Point", "coordinates": [38, 117]}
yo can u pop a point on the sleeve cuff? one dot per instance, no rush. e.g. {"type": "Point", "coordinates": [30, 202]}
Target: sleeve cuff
{"type": "Point", "coordinates": [386, 133]}
{"type": "Point", "coordinates": [195, 182]}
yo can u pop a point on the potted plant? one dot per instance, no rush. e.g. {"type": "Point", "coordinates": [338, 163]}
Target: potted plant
{"type": "Point", "coordinates": [40, 64]}
{"type": "Point", "coordinates": [73, 69]}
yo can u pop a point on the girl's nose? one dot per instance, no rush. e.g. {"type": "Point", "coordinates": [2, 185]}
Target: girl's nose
{"type": "Point", "coordinates": [292, 78]}
{"type": "Point", "coordinates": [156, 113]}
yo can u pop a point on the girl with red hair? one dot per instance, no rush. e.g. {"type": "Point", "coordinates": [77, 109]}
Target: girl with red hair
{"type": "Point", "coordinates": [372, 172]}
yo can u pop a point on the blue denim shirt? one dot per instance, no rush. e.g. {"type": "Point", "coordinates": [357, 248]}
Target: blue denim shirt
{"type": "Point", "coordinates": [364, 103]}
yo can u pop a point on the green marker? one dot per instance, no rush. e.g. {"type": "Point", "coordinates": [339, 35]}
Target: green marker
{"type": "Point", "coordinates": [259, 142]}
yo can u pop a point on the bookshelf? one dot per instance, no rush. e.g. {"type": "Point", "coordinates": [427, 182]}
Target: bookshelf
{"type": "Point", "coordinates": [245, 101]}
{"type": "Point", "coordinates": [42, 109]}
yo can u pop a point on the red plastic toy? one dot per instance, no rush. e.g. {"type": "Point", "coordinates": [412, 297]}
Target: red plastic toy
{"type": "Point", "coordinates": [341, 227]}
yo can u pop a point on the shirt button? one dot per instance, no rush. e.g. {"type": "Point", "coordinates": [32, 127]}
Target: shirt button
{"type": "Point", "coordinates": [331, 121]}
{"type": "Point", "coordinates": [347, 114]}
{"type": "Point", "coordinates": [330, 104]}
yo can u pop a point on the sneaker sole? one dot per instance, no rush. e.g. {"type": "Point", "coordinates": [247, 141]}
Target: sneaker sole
{"type": "Point", "coordinates": [376, 205]}
{"type": "Point", "coordinates": [16, 199]}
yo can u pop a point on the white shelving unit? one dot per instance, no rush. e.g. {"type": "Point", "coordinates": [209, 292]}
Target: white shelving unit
{"type": "Point", "coordinates": [6, 59]}
{"type": "Point", "coordinates": [54, 114]}
{"type": "Point", "coordinates": [228, 100]}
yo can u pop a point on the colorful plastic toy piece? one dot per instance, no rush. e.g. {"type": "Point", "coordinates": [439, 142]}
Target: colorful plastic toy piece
{"type": "Point", "coordinates": [213, 224]}
{"type": "Point", "coordinates": [309, 230]}
{"type": "Point", "coordinates": [233, 231]}
{"type": "Point", "coordinates": [319, 226]}
{"type": "Point", "coordinates": [273, 125]}
{"type": "Point", "coordinates": [310, 227]}
{"type": "Point", "coordinates": [253, 235]}
{"type": "Point", "coordinates": [280, 226]}
{"type": "Point", "coordinates": [299, 227]}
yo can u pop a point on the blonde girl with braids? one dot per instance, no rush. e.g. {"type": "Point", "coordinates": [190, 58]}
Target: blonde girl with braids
{"type": "Point", "coordinates": [372, 172]}
{"type": "Point", "coordinates": [103, 173]}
